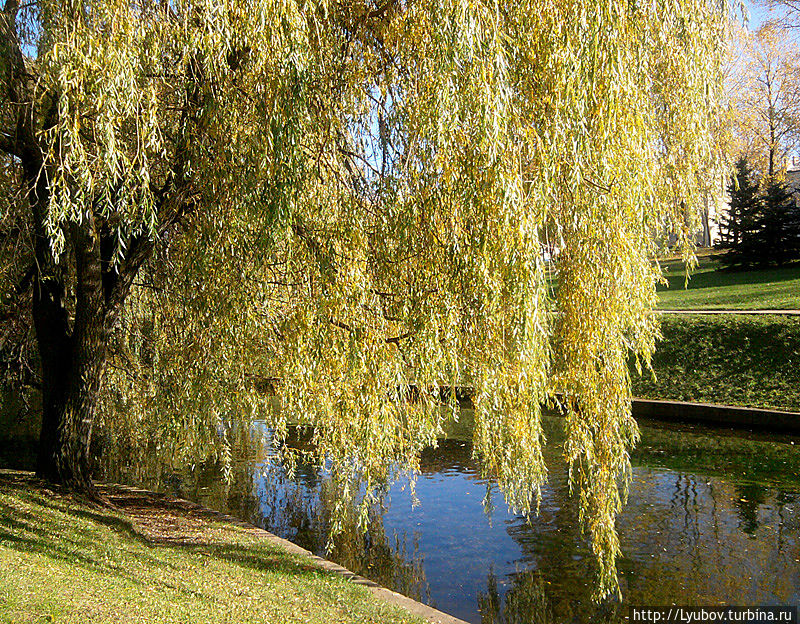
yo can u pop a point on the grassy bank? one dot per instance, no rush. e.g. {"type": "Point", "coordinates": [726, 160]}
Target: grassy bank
{"type": "Point", "coordinates": [710, 288]}
{"type": "Point", "coordinates": [734, 360]}
{"type": "Point", "coordinates": [62, 560]}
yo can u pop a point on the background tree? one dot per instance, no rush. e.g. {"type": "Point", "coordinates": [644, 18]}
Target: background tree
{"type": "Point", "coordinates": [353, 198]}
{"type": "Point", "coordinates": [762, 226]}
{"type": "Point", "coordinates": [783, 13]}
{"type": "Point", "coordinates": [778, 232]}
{"type": "Point", "coordinates": [744, 205]}
{"type": "Point", "coordinates": [764, 87]}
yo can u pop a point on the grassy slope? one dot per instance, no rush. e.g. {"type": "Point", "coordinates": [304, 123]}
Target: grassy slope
{"type": "Point", "coordinates": [736, 360]}
{"type": "Point", "coordinates": [62, 560]}
{"type": "Point", "coordinates": [762, 289]}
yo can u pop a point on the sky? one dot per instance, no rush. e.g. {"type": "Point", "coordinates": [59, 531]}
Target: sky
{"type": "Point", "coordinates": [759, 13]}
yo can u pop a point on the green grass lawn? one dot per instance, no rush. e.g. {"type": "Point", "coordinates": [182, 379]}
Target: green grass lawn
{"type": "Point", "coordinates": [62, 560]}
{"type": "Point", "coordinates": [728, 359]}
{"type": "Point", "coordinates": [710, 288]}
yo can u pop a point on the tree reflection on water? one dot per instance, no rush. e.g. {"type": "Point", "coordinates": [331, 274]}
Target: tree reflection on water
{"type": "Point", "coordinates": [301, 509]}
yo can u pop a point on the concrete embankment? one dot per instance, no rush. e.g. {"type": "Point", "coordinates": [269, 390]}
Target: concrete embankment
{"type": "Point", "coordinates": [729, 416]}
{"type": "Point", "coordinates": [721, 415]}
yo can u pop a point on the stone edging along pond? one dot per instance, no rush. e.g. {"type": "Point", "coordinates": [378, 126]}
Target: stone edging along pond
{"type": "Point", "coordinates": [386, 595]}
{"type": "Point", "coordinates": [727, 416]}
{"type": "Point", "coordinates": [733, 416]}
{"type": "Point", "coordinates": [721, 415]}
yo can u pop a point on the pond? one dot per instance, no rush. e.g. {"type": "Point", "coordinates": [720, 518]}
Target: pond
{"type": "Point", "coordinates": [713, 518]}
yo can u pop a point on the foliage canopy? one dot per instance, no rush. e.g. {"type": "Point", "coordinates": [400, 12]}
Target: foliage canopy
{"type": "Point", "coordinates": [352, 198]}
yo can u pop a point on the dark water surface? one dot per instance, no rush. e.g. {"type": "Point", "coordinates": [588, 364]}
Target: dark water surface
{"type": "Point", "coordinates": [713, 518]}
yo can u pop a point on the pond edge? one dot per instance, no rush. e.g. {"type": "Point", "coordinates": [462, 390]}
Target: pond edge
{"type": "Point", "coordinates": [720, 415]}
{"type": "Point", "coordinates": [382, 593]}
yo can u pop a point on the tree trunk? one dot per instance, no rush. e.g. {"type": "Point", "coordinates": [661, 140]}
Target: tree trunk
{"type": "Point", "coordinates": [71, 381]}
{"type": "Point", "coordinates": [73, 361]}
{"type": "Point", "coordinates": [55, 350]}
{"type": "Point", "coordinates": [73, 352]}
{"type": "Point", "coordinates": [705, 216]}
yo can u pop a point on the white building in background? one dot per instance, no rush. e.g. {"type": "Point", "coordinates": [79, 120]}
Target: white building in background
{"type": "Point", "coordinates": [793, 178]}
{"type": "Point", "coordinates": [714, 209]}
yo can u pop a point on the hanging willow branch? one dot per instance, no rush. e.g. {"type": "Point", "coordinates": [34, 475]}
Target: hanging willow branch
{"type": "Point", "coordinates": [274, 168]}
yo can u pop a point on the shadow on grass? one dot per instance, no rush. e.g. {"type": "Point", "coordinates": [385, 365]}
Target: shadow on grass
{"type": "Point", "coordinates": [65, 528]}
{"type": "Point", "coordinates": [53, 532]}
{"type": "Point", "coordinates": [254, 558]}
{"type": "Point", "coordinates": [711, 278]}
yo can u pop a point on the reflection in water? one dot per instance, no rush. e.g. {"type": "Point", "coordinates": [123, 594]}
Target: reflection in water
{"type": "Point", "coordinates": [301, 510]}
{"type": "Point", "coordinates": [710, 519]}
{"type": "Point", "coordinates": [685, 542]}
{"type": "Point", "coordinates": [750, 499]}
{"type": "Point", "coordinates": [526, 601]}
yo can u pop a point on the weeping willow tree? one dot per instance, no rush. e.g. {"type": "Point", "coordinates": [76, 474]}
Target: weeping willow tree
{"type": "Point", "coordinates": [355, 204]}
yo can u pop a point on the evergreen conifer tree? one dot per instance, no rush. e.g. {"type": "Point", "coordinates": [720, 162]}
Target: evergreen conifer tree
{"type": "Point", "coordinates": [738, 227]}
{"type": "Point", "coordinates": [777, 236]}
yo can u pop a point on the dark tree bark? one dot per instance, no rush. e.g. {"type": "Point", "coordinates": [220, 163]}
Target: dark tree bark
{"type": "Point", "coordinates": [72, 370]}
{"type": "Point", "coordinates": [74, 351]}
{"type": "Point", "coordinates": [74, 355]}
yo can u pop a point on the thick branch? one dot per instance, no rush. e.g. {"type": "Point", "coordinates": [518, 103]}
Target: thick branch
{"type": "Point", "coordinates": [18, 140]}
{"type": "Point", "coordinates": [176, 200]}
{"type": "Point", "coordinates": [139, 251]}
